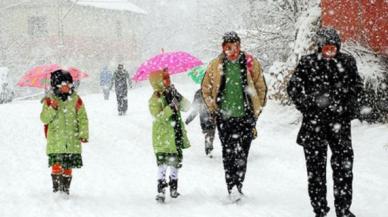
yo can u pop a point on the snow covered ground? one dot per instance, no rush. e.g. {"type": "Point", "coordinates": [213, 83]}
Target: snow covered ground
{"type": "Point", "coordinates": [119, 173]}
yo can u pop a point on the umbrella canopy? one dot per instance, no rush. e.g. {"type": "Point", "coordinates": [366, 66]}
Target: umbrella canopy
{"type": "Point", "coordinates": [39, 76]}
{"type": "Point", "coordinates": [175, 62]}
{"type": "Point", "coordinates": [198, 73]}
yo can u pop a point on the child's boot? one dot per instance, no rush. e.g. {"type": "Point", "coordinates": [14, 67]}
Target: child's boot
{"type": "Point", "coordinates": [160, 197]}
{"type": "Point", "coordinates": [174, 188]}
{"type": "Point", "coordinates": [66, 181]}
{"type": "Point", "coordinates": [56, 178]}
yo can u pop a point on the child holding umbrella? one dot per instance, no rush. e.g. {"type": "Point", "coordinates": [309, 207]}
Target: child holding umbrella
{"type": "Point", "coordinates": [168, 133]}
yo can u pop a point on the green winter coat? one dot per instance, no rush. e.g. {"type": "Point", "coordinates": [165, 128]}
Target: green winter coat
{"type": "Point", "coordinates": [163, 133]}
{"type": "Point", "coordinates": [67, 125]}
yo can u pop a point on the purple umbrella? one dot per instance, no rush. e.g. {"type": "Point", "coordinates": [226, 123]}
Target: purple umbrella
{"type": "Point", "coordinates": [175, 62]}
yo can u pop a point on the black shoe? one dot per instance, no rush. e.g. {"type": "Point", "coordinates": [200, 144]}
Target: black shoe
{"type": "Point", "coordinates": [57, 182]}
{"type": "Point", "coordinates": [323, 213]}
{"type": "Point", "coordinates": [208, 152]}
{"type": "Point", "coordinates": [174, 188]}
{"type": "Point", "coordinates": [66, 181]}
{"type": "Point", "coordinates": [345, 214]}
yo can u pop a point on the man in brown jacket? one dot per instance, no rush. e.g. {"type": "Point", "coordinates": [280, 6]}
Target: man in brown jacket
{"type": "Point", "coordinates": [234, 90]}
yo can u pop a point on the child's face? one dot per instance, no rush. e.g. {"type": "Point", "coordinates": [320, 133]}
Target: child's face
{"type": "Point", "coordinates": [166, 79]}
{"type": "Point", "coordinates": [65, 87]}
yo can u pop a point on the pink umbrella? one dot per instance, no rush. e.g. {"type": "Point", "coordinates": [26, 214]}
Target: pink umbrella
{"type": "Point", "coordinates": [175, 62]}
{"type": "Point", "coordinates": [39, 76]}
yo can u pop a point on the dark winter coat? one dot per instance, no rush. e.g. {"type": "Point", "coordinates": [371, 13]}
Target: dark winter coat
{"type": "Point", "coordinates": [326, 92]}
{"type": "Point", "coordinates": [199, 106]}
{"type": "Point", "coordinates": [121, 82]}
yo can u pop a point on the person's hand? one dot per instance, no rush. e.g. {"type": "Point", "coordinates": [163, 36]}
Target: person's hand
{"type": "Point", "coordinates": [254, 133]}
{"type": "Point", "coordinates": [54, 104]}
{"type": "Point", "coordinates": [83, 140]}
{"type": "Point", "coordinates": [174, 104]}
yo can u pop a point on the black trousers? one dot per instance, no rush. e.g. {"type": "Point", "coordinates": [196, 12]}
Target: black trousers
{"type": "Point", "coordinates": [209, 138]}
{"type": "Point", "coordinates": [236, 138]}
{"type": "Point", "coordinates": [122, 103]}
{"type": "Point", "coordinates": [339, 141]}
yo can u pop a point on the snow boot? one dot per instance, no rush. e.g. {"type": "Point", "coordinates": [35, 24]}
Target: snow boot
{"type": "Point", "coordinates": [160, 197]}
{"type": "Point", "coordinates": [208, 152]}
{"type": "Point", "coordinates": [173, 188]}
{"type": "Point", "coordinates": [66, 180]}
{"type": "Point", "coordinates": [57, 182]}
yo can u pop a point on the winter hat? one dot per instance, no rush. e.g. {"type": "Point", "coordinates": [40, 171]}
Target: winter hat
{"type": "Point", "coordinates": [59, 76]}
{"type": "Point", "coordinates": [230, 37]}
{"type": "Point", "coordinates": [327, 35]}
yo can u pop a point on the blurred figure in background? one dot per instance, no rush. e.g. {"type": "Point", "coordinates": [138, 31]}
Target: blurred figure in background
{"type": "Point", "coordinates": [121, 81]}
{"type": "Point", "coordinates": [106, 81]}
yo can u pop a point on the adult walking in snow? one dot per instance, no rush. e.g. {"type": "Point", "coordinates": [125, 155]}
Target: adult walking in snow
{"type": "Point", "coordinates": [208, 124]}
{"type": "Point", "coordinates": [168, 132]}
{"type": "Point", "coordinates": [106, 82]}
{"type": "Point", "coordinates": [66, 122]}
{"type": "Point", "coordinates": [121, 82]}
{"type": "Point", "coordinates": [325, 88]}
{"type": "Point", "coordinates": [234, 91]}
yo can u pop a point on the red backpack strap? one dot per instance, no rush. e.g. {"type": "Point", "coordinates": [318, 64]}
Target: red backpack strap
{"type": "Point", "coordinates": [47, 101]}
{"type": "Point", "coordinates": [45, 130]}
{"type": "Point", "coordinates": [78, 104]}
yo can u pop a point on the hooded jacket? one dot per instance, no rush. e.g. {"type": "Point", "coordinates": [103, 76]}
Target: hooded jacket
{"type": "Point", "coordinates": [163, 131]}
{"type": "Point", "coordinates": [67, 124]}
{"type": "Point", "coordinates": [325, 90]}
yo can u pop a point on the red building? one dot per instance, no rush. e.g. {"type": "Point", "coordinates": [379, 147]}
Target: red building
{"type": "Point", "coordinates": [364, 21]}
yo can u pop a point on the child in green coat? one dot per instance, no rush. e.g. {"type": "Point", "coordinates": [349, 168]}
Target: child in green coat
{"type": "Point", "coordinates": [168, 132]}
{"type": "Point", "coordinates": [66, 126]}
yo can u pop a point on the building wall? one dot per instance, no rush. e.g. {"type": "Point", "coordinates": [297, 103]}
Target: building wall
{"type": "Point", "coordinates": [365, 21]}
{"type": "Point", "coordinates": [92, 37]}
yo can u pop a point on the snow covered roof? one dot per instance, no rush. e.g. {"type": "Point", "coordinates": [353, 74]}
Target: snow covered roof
{"type": "Point", "coordinates": [122, 5]}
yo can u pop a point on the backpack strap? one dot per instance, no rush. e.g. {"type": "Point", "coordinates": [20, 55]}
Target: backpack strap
{"type": "Point", "coordinates": [78, 104]}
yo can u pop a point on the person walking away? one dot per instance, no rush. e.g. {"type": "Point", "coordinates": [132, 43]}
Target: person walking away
{"type": "Point", "coordinates": [121, 82]}
{"type": "Point", "coordinates": [105, 82]}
